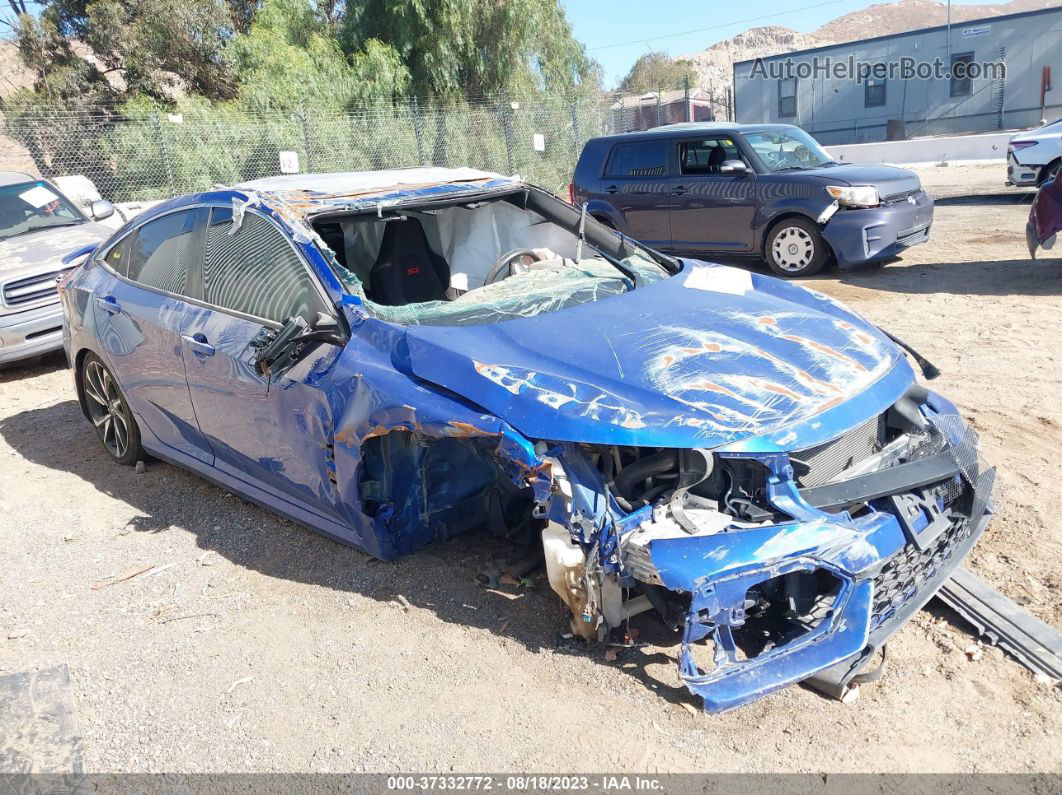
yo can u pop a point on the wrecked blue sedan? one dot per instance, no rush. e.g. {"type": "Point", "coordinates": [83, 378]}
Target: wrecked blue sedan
{"type": "Point", "coordinates": [393, 358]}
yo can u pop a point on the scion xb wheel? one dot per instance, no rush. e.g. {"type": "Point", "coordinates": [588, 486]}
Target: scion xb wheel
{"type": "Point", "coordinates": [795, 248]}
{"type": "Point", "coordinates": [109, 412]}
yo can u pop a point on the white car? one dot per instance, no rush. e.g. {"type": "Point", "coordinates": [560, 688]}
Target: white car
{"type": "Point", "coordinates": [1033, 157]}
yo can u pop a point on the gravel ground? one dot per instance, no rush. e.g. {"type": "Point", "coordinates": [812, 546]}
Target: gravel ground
{"type": "Point", "coordinates": [255, 645]}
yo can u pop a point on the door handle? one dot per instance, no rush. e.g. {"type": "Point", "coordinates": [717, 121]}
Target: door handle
{"type": "Point", "coordinates": [198, 343]}
{"type": "Point", "coordinates": [680, 190]}
{"type": "Point", "coordinates": [611, 189]}
{"type": "Point", "coordinates": [108, 304]}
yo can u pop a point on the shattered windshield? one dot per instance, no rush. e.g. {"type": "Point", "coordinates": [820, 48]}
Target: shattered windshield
{"type": "Point", "coordinates": [788, 150]}
{"type": "Point", "coordinates": [30, 206]}
{"type": "Point", "coordinates": [484, 262]}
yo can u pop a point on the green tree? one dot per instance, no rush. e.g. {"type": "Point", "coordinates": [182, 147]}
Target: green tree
{"type": "Point", "coordinates": [458, 49]}
{"type": "Point", "coordinates": [657, 71]}
{"type": "Point", "coordinates": [290, 58]}
{"type": "Point", "coordinates": [158, 47]}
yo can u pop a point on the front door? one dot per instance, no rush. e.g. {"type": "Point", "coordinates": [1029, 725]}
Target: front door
{"type": "Point", "coordinates": [275, 431]}
{"type": "Point", "coordinates": [139, 314]}
{"type": "Point", "coordinates": [711, 210]}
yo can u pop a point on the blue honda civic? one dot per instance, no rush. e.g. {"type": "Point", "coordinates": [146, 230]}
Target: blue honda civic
{"type": "Point", "coordinates": [392, 358]}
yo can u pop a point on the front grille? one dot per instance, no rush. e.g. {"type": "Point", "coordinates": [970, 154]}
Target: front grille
{"type": "Point", "coordinates": [904, 574]}
{"type": "Point", "coordinates": [898, 197]}
{"type": "Point", "coordinates": [823, 464]}
{"type": "Point", "coordinates": [32, 288]}
{"type": "Point", "coordinates": [911, 236]}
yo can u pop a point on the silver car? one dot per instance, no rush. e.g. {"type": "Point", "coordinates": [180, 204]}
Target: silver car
{"type": "Point", "coordinates": [38, 227]}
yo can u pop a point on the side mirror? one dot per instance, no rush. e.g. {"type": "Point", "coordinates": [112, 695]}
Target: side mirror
{"type": "Point", "coordinates": [733, 167]}
{"type": "Point", "coordinates": [101, 209]}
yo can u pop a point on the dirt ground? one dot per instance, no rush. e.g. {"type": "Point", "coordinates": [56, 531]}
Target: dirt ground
{"type": "Point", "coordinates": [256, 645]}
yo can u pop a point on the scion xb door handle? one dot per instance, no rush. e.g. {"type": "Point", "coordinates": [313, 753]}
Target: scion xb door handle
{"type": "Point", "coordinates": [109, 304]}
{"type": "Point", "coordinates": [680, 190]}
{"type": "Point", "coordinates": [198, 343]}
{"type": "Point", "coordinates": [611, 189]}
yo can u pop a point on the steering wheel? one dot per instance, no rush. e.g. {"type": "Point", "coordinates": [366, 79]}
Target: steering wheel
{"type": "Point", "coordinates": [773, 158]}
{"type": "Point", "coordinates": [517, 261]}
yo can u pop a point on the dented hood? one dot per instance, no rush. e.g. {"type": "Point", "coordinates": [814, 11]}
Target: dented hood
{"type": "Point", "coordinates": [709, 357]}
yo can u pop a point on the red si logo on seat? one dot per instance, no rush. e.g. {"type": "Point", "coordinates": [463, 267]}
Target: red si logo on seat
{"type": "Point", "coordinates": [412, 271]}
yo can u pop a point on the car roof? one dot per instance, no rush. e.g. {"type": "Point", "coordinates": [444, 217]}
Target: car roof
{"type": "Point", "coordinates": [682, 129]}
{"type": "Point", "coordinates": [15, 177]}
{"type": "Point", "coordinates": [366, 184]}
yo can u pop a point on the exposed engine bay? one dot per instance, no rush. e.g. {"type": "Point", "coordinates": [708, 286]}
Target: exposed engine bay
{"type": "Point", "coordinates": [756, 562]}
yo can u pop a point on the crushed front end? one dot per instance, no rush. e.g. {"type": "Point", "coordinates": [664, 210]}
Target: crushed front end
{"type": "Point", "coordinates": [778, 566]}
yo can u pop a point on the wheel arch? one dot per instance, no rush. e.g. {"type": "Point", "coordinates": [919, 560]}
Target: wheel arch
{"type": "Point", "coordinates": [1041, 178]}
{"type": "Point", "coordinates": [770, 226]}
{"type": "Point", "coordinates": [79, 365]}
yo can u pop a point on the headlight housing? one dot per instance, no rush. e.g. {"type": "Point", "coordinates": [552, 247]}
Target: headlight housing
{"type": "Point", "coordinates": [854, 196]}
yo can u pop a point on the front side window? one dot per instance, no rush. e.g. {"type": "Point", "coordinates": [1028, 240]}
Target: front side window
{"type": "Point", "coordinates": [33, 206]}
{"type": "Point", "coordinates": [159, 253]}
{"type": "Point", "coordinates": [255, 271]}
{"type": "Point", "coordinates": [706, 156]}
{"type": "Point", "coordinates": [961, 84]}
{"type": "Point", "coordinates": [638, 159]}
{"type": "Point", "coordinates": [787, 98]}
{"type": "Point", "coordinates": [874, 93]}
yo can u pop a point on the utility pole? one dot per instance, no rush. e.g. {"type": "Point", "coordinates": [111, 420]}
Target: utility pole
{"type": "Point", "coordinates": [949, 32]}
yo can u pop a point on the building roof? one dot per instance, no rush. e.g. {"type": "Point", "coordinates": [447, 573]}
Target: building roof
{"type": "Point", "coordinates": [666, 98]}
{"type": "Point", "coordinates": [964, 24]}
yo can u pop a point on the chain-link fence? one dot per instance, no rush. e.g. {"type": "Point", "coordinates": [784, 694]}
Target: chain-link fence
{"type": "Point", "coordinates": [153, 154]}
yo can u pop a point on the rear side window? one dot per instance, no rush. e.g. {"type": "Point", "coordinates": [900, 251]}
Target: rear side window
{"type": "Point", "coordinates": [255, 271]}
{"type": "Point", "coordinates": [638, 159]}
{"type": "Point", "coordinates": [159, 254]}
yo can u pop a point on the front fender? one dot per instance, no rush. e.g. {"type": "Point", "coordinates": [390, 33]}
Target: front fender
{"type": "Point", "coordinates": [769, 211]}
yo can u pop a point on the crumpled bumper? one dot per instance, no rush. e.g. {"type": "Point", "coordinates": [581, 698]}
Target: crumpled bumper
{"type": "Point", "coordinates": [886, 567]}
{"type": "Point", "coordinates": [861, 236]}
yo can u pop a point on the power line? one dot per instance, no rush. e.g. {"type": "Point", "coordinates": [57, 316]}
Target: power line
{"type": "Point", "coordinates": [717, 27]}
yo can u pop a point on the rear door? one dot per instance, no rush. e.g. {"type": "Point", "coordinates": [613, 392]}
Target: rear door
{"type": "Point", "coordinates": [710, 210]}
{"type": "Point", "coordinates": [139, 309]}
{"type": "Point", "coordinates": [272, 432]}
{"type": "Point", "coordinates": [635, 184]}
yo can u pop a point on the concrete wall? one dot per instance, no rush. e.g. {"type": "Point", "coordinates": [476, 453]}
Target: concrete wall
{"type": "Point", "coordinates": [834, 110]}
{"type": "Point", "coordinates": [986, 146]}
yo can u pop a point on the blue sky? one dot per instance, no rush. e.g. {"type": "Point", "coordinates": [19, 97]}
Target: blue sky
{"type": "Point", "coordinates": [616, 32]}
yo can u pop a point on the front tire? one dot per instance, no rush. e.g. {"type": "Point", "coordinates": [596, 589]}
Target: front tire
{"type": "Point", "coordinates": [795, 248]}
{"type": "Point", "coordinates": [109, 413]}
{"type": "Point", "coordinates": [1049, 172]}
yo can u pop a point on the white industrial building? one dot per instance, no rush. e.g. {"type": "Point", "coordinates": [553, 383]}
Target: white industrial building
{"type": "Point", "coordinates": [860, 91]}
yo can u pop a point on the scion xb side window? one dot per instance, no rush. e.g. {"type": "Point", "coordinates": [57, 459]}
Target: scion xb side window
{"type": "Point", "coordinates": [637, 159]}
{"type": "Point", "coordinates": [706, 157]}
{"type": "Point", "coordinates": [255, 271]}
{"type": "Point", "coordinates": [159, 253]}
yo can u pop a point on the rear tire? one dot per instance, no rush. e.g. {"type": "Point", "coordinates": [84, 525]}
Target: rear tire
{"type": "Point", "coordinates": [795, 248]}
{"type": "Point", "coordinates": [109, 412]}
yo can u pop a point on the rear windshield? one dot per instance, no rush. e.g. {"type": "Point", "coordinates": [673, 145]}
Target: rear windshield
{"type": "Point", "coordinates": [31, 206]}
